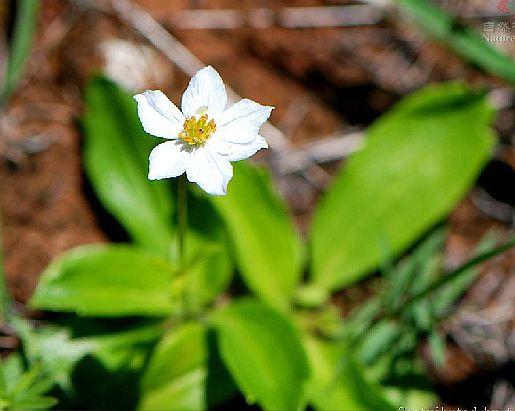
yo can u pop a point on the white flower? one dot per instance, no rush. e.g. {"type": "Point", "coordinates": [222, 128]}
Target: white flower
{"type": "Point", "coordinates": [205, 137]}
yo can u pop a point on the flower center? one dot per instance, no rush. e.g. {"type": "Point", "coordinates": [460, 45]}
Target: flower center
{"type": "Point", "coordinates": [197, 130]}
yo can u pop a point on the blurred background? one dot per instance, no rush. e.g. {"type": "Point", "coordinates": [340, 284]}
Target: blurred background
{"type": "Point", "coordinates": [330, 67]}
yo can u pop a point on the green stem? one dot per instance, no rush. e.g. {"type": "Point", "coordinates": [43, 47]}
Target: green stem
{"type": "Point", "coordinates": [182, 216]}
{"type": "Point", "coordinates": [180, 279]}
{"type": "Point", "coordinates": [25, 27]}
{"type": "Point", "coordinates": [5, 300]}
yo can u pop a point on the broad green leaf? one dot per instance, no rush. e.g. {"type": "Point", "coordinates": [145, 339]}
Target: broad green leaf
{"type": "Point", "coordinates": [264, 354]}
{"type": "Point", "coordinates": [267, 247]}
{"type": "Point", "coordinates": [176, 375]}
{"type": "Point", "coordinates": [337, 382]}
{"type": "Point", "coordinates": [106, 280]}
{"type": "Point", "coordinates": [116, 161]}
{"type": "Point", "coordinates": [26, 19]}
{"type": "Point", "coordinates": [185, 372]}
{"type": "Point", "coordinates": [418, 161]}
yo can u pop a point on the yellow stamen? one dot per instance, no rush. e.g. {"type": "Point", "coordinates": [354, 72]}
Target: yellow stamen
{"type": "Point", "coordinates": [197, 131]}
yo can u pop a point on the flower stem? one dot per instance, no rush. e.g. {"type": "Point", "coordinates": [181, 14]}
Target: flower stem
{"type": "Point", "coordinates": [5, 299]}
{"type": "Point", "coordinates": [182, 216]}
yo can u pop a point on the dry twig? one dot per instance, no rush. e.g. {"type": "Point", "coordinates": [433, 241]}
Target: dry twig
{"type": "Point", "coordinates": [288, 17]}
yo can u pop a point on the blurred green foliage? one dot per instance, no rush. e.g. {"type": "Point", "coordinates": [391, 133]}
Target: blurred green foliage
{"type": "Point", "coordinates": [22, 389]}
{"type": "Point", "coordinates": [71, 283]}
{"type": "Point", "coordinates": [416, 295]}
{"type": "Point", "coordinates": [193, 337]}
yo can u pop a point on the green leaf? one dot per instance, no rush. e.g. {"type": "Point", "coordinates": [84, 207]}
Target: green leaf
{"type": "Point", "coordinates": [337, 382]}
{"type": "Point", "coordinates": [264, 354]}
{"type": "Point", "coordinates": [26, 18]}
{"type": "Point", "coordinates": [106, 280]}
{"type": "Point", "coordinates": [116, 161]}
{"type": "Point", "coordinates": [418, 161]}
{"type": "Point", "coordinates": [267, 247]}
{"type": "Point", "coordinates": [185, 372]}
{"type": "Point", "coordinates": [176, 374]}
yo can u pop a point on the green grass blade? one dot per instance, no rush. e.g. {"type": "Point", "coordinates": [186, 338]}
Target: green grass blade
{"type": "Point", "coordinates": [453, 290]}
{"type": "Point", "coordinates": [26, 18]}
{"type": "Point", "coordinates": [437, 348]}
{"type": "Point", "coordinates": [4, 293]}
{"type": "Point", "coordinates": [462, 270]}
{"type": "Point", "coordinates": [461, 39]}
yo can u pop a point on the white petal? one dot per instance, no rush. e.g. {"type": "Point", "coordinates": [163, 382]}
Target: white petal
{"type": "Point", "coordinates": [158, 115]}
{"type": "Point", "coordinates": [210, 171]}
{"type": "Point", "coordinates": [241, 122]}
{"type": "Point", "coordinates": [237, 152]}
{"type": "Point", "coordinates": [169, 159]}
{"type": "Point", "coordinates": [206, 89]}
